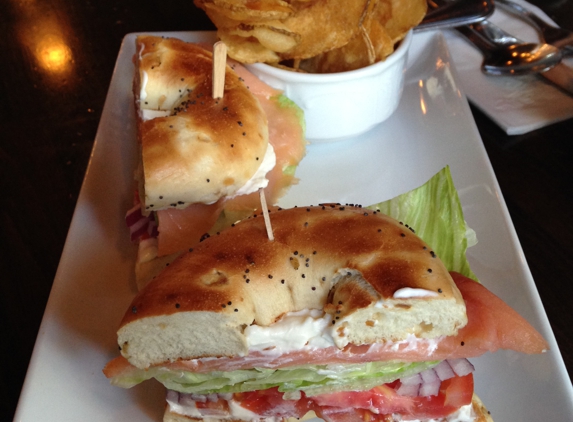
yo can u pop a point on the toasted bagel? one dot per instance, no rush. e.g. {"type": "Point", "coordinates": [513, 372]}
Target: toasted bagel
{"type": "Point", "coordinates": [380, 279]}
{"type": "Point", "coordinates": [188, 138]}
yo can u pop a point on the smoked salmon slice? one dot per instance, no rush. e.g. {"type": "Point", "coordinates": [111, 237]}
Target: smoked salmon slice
{"type": "Point", "coordinates": [178, 229]}
{"type": "Point", "coordinates": [492, 325]}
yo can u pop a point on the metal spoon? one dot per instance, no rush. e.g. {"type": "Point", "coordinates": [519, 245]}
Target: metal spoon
{"type": "Point", "coordinates": [559, 37]}
{"type": "Point", "coordinates": [506, 55]}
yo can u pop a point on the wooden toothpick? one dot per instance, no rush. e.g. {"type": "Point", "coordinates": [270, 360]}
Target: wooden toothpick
{"type": "Point", "coordinates": [266, 215]}
{"type": "Point", "coordinates": [219, 65]}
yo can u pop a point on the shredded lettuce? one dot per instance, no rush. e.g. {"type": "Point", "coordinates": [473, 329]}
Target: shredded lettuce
{"type": "Point", "coordinates": [434, 211]}
{"type": "Point", "coordinates": [312, 379]}
{"type": "Point", "coordinates": [290, 170]}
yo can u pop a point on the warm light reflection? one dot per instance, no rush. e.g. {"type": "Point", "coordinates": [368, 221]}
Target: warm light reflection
{"type": "Point", "coordinates": [43, 34]}
{"type": "Point", "coordinates": [53, 55]}
{"type": "Point", "coordinates": [422, 101]}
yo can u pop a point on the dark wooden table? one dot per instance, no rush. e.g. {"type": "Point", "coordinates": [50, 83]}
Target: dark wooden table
{"type": "Point", "coordinates": [49, 118]}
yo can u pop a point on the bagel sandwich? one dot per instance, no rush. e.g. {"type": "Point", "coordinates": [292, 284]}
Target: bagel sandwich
{"type": "Point", "coordinates": [202, 159]}
{"type": "Point", "coordinates": [347, 315]}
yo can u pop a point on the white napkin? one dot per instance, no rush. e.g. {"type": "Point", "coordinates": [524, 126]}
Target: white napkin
{"type": "Point", "coordinates": [518, 104]}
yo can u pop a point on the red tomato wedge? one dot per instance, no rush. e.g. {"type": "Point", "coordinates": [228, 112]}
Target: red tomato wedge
{"type": "Point", "coordinates": [492, 325]}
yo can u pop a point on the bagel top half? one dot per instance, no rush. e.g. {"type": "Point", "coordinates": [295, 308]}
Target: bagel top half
{"type": "Point", "coordinates": [373, 274]}
{"type": "Point", "coordinates": [194, 148]}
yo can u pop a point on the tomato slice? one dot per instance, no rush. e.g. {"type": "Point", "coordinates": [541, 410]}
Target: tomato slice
{"type": "Point", "coordinates": [368, 406]}
{"type": "Point", "coordinates": [459, 391]}
{"type": "Point", "coordinates": [270, 403]}
{"type": "Point", "coordinates": [256, 401]}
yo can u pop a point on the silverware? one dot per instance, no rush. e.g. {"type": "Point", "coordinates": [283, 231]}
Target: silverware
{"type": "Point", "coordinates": [559, 75]}
{"type": "Point", "coordinates": [451, 13]}
{"type": "Point", "coordinates": [559, 37]}
{"type": "Point", "coordinates": [505, 55]}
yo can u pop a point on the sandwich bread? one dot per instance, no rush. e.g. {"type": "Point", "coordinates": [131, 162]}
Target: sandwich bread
{"type": "Point", "coordinates": [195, 148]}
{"type": "Point", "coordinates": [376, 279]}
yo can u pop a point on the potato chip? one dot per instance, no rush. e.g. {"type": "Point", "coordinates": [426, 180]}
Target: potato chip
{"type": "Point", "coordinates": [320, 25]}
{"type": "Point", "coordinates": [323, 35]}
{"type": "Point", "coordinates": [372, 44]}
{"type": "Point", "coordinates": [406, 14]}
{"type": "Point", "coordinates": [325, 25]}
{"type": "Point", "coordinates": [247, 50]}
{"type": "Point", "coordinates": [246, 11]}
{"type": "Point", "coordinates": [275, 37]}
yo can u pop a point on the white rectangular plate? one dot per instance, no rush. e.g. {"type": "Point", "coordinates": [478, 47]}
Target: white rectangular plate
{"type": "Point", "coordinates": [432, 127]}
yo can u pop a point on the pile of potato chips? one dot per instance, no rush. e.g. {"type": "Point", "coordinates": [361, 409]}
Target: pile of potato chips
{"type": "Point", "coordinates": [317, 36]}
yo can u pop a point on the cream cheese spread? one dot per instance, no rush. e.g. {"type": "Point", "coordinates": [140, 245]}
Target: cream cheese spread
{"type": "Point", "coordinates": [235, 410]}
{"type": "Point", "coordinates": [239, 412]}
{"type": "Point", "coordinates": [259, 179]}
{"type": "Point", "coordinates": [464, 414]}
{"type": "Point", "coordinates": [306, 329]}
{"type": "Point", "coordinates": [414, 343]}
{"type": "Point", "coordinates": [147, 114]}
{"type": "Point", "coordinates": [407, 293]}
{"type": "Point", "coordinates": [143, 84]}
{"type": "Point", "coordinates": [188, 409]}
{"type": "Point", "coordinates": [312, 329]}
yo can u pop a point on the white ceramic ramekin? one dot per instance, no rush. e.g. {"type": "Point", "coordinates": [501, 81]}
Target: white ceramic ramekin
{"type": "Point", "coordinates": [341, 105]}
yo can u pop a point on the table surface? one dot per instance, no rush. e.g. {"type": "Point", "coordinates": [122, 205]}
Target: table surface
{"type": "Point", "coordinates": [48, 121]}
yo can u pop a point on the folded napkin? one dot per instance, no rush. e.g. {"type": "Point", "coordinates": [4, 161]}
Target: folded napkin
{"type": "Point", "coordinates": [518, 104]}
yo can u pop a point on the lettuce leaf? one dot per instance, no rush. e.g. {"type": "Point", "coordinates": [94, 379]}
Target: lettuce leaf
{"type": "Point", "coordinates": [312, 379]}
{"type": "Point", "coordinates": [434, 212]}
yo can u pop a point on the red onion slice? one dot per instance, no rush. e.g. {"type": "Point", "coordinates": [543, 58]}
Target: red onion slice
{"type": "Point", "coordinates": [213, 397]}
{"type": "Point", "coordinates": [201, 398]}
{"type": "Point", "coordinates": [172, 396]}
{"type": "Point", "coordinates": [427, 383]}
{"type": "Point", "coordinates": [152, 230]}
{"type": "Point", "coordinates": [187, 400]}
{"type": "Point", "coordinates": [444, 370]}
{"type": "Point", "coordinates": [430, 388]}
{"type": "Point", "coordinates": [429, 376]}
{"type": "Point", "coordinates": [415, 379]}
{"type": "Point", "coordinates": [138, 228]}
{"type": "Point", "coordinates": [409, 390]}
{"type": "Point", "coordinates": [461, 367]}
{"type": "Point", "coordinates": [139, 224]}
{"type": "Point", "coordinates": [133, 215]}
